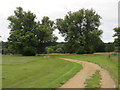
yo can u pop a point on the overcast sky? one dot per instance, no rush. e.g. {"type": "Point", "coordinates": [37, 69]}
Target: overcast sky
{"type": "Point", "coordinates": [107, 9]}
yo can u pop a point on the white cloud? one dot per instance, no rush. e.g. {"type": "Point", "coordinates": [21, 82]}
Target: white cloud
{"type": "Point", "coordinates": [4, 31]}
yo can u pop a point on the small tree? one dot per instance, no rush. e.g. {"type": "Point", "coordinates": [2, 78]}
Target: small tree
{"type": "Point", "coordinates": [49, 50]}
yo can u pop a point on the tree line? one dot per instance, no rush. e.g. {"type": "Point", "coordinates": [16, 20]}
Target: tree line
{"type": "Point", "coordinates": [80, 29]}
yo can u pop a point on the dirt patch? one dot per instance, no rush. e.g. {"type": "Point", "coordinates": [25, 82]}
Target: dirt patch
{"type": "Point", "coordinates": [46, 56]}
{"type": "Point", "coordinates": [78, 80]}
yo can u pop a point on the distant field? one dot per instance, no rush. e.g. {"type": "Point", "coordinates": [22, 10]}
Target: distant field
{"type": "Point", "coordinates": [48, 71]}
{"type": "Point", "coordinates": [36, 71]}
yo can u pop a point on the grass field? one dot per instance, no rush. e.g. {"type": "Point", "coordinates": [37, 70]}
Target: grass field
{"type": "Point", "coordinates": [36, 71]}
{"type": "Point", "coordinates": [48, 71]}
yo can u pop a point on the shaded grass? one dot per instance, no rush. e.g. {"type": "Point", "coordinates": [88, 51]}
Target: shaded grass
{"type": "Point", "coordinates": [94, 81]}
{"type": "Point", "coordinates": [36, 71]}
{"type": "Point", "coordinates": [114, 57]}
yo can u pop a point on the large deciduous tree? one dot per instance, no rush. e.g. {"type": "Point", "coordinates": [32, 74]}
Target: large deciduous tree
{"type": "Point", "coordinates": [81, 31]}
{"type": "Point", "coordinates": [27, 36]}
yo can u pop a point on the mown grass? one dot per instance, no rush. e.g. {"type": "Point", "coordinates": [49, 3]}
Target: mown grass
{"type": "Point", "coordinates": [103, 60]}
{"type": "Point", "coordinates": [36, 71]}
{"type": "Point", "coordinates": [49, 71]}
{"type": "Point", "coordinates": [93, 81]}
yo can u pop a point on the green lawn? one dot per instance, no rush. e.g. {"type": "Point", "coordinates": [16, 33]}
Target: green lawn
{"type": "Point", "coordinates": [36, 71]}
{"type": "Point", "coordinates": [103, 60]}
{"type": "Point", "coordinates": [48, 71]}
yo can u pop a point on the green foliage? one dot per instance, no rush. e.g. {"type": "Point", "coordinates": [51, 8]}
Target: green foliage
{"type": "Point", "coordinates": [59, 48]}
{"type": "Point", "coordinates": [27, 36]}
{"type": "Point", "coordinates": [80, 30]}
{"type": "Point", "coordinates": [109, 47]}
{"type": "Point", "coordinates": [49, 50]}
{"type": "Point", "coordinates": [94, 81]}
{"type": "Point", "coordinates": [5, 49]}
{"type": "Point", "coordinates": [45, 34]}
{"type": "Point", "coordinates": [100, 48]}
{"type": "Point", "coordinates": [117, 39]}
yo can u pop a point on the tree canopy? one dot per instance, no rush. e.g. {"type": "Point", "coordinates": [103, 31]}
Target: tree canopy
{"type": "Point", "coordinates": [117, 35]}
{"type": "Point", "coordinates": [81, 30]}
{"type": "Point", "coordinates": [27, 36]}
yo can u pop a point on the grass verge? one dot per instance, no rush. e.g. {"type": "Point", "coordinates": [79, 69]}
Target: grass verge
{"type": "Point", "coordinates": [94, 81]}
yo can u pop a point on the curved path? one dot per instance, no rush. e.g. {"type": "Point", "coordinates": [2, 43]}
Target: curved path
{"type": "Point", "coordinates": [78, 80]}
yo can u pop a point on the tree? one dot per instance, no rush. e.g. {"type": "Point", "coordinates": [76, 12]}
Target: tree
{"type": "Point", "coordinates": [27, 36]}
{"type": "Point", "coordinates": [49, 50]}
{"type": "Point", "coordinates": [117, 35]}
{"type": "Point", "coordinates": [5, 49]}
{"type": "Point", "coordinates": [45, 35]}
{"type": "Point", "coordinates": [109, 47]}
{"type": "Point", "coordinates": [59, 47]}
{"type": "Point", "coordinates": [100, 47]}
{"type": "Point", "coordinates": [80, 30]}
